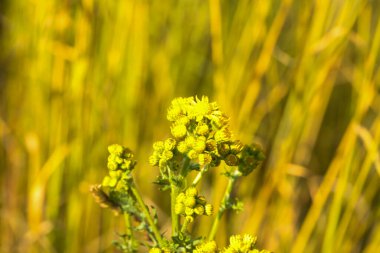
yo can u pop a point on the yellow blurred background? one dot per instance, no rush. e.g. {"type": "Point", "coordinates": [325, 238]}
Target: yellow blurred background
{"type": "Point", "coordinates": [302, 78]}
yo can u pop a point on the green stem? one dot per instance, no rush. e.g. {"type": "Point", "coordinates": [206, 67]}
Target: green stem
{"type": "Point", "coordinates": [223, 205]}
{"type": "Point", "coordinates": [175, 218]}
{"type": "Point", "coordinates": [184, 226]}
{"type": "Point", "coordinates": [199, 175]}
{"type": "Point", "coordinates": [146, 212]}
{"type": "Point", "coordinates": [128, 230]}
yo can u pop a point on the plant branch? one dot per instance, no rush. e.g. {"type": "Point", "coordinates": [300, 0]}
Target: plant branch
{"type": "Point", "coordinates": [146, 213]}
{"type": "Point", "coordinates": [224, 205]}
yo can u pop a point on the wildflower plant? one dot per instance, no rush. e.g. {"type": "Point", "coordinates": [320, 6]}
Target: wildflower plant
{"type": "Point", "coordinates": [200, 140]}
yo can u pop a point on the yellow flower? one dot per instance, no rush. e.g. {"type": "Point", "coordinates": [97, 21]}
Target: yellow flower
{"type": "Point", "coordinates": [191, 191]}
{"type": "Point", "coordinates": [179, 131]}
{"type": "Point", "coordinates": [206, 247]}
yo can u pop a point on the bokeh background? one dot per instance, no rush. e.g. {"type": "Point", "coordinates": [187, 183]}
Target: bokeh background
{"type": "Point", "coordinates": [301, 78]}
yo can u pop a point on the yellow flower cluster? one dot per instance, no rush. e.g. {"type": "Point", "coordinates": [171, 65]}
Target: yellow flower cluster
{"type": "Point", "coordinates": [120, 164]}
{"type": "Point", "coordinates": [189, 204]}
{"type": "Point", "coordinates": [158, 250]}
{"type": "Point", "coordinates": [201, 131]}
{"type": "Point", "coordinates": [243, 244]}
{"type": "Point", "coordinates": [206, 247]}
{"type": "Point", "coordinates": [162, 152]}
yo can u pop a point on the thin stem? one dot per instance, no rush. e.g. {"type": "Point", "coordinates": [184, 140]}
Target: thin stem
{"type": "Point", "coordinates": [223, 205]}
{"type": "Point", "coordinates": [199, 175]}
{"type": "Point", "coordinates": [175, 218]}
{"type": "Point", "coordinates": [184, 226]}
{"type": "Point", "coordinates": [128, 230]}
{"type": "Point", "coordinates": [146, 212]}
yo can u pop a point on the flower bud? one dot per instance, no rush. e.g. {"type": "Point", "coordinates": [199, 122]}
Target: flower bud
{"type": "Point", "coordinates": [179, 208]}
{"type": "Point", "coordinates": [155, 250]}
{"type": "Point", "coordinates": [222, 135]}
{"type": "Point", "coordinates": [182, 147]}
{"type": "Point", "coordinates": [190, 201]}
{"type": "Point", "coordinates": [199, 145]}
{"type": "Point", "coordinates": [189, 218]}
{"type": "Point", "coordinates": [189, 211]}
{"type": "Point", "coordinates": [170, 144]}
{"type": "Point", "coordinates": [192, 154]}
{"type": "Point", "coordinates": [232, 160]}
{"type": "Point", "coordinates": [158, 146]}
{"type": "Point", "coordinates": [209, 210]}
{"type": "Point", "coordinates": [190, 141]}
{"type": "Point", "coordinates": [180, 198]}
{"type": "Point", "coordinates": [184, 120]}
{"type": "Point", "coordinates": [199, 209]}
{"type": "Point", "coordinates": [167, 155]}
{"type": "Point", "coordinates": [202, 129]}
{"type": "Point", "coordinates": [115, 149]}
{"type": "Point", "coordinates": [191, 191]}
{"type": "Point", "coordinates": [236, 147]}
{"type": "Point", "coordinates": [204, 159]}
{"type": "Point", "coordinates": [223, 149]}
{"type": "Point", "coordinates": [179, 131]}
{"type": "Point", "coordinates": [112, 165]}
{"type": "Point", "coordinates": [153, 160]}
{"type": "Point", "coordinates": [211, 145]}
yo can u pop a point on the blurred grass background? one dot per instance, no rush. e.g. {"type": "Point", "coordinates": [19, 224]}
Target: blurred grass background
{"type": "Point", "coordinates": [300, 77]}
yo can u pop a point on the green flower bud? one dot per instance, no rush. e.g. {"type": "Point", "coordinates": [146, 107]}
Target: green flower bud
{"type": "Point", "coordinates": [179, 131]}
